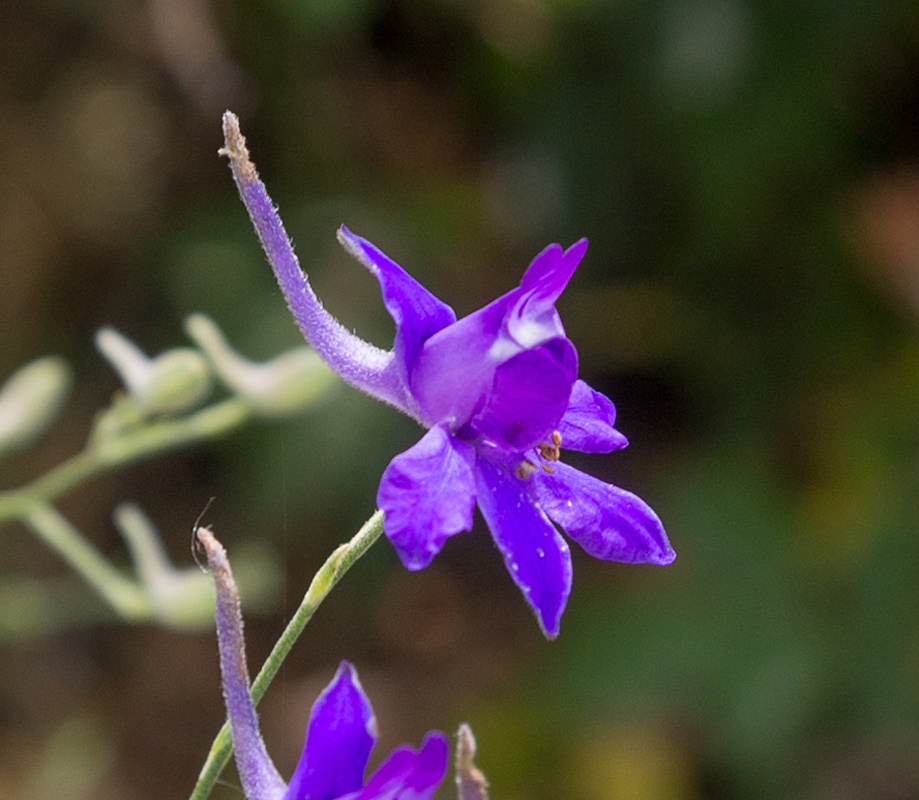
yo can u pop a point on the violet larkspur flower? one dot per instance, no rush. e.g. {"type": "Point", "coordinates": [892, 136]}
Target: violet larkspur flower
{"type": "Point", "coordinates": [342, 728]}
{"type": "Point", "coordinates": [498, 392]}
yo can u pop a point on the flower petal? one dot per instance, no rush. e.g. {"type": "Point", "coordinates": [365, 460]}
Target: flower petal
{"type": "Point", "coordinates": [528, 396]}
{"type": "Point", "coordinates": [418, 314]}
{"type": "Point", "coordinates": [533, 313]}
{"type": "Point", "coordinates": [427, 494]}
{"type": "Point", "coordinates": [535, 553]}
{"type": "Point", "coordinates": [456, 366]}
{"type": "Point", "coordinates": [341, 734]}
{"type": "Point", "coordinates": [587, 424]}
{"type": "Point", "coordinates": [608, 522]}
{"type": "Point", "coordinates": [409, 774]}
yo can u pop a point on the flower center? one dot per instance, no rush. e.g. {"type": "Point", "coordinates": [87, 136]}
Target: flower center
{"type": "Point", "coordinates": [544, 452]}
{"type": "Point", "coordinates": [550, 452]}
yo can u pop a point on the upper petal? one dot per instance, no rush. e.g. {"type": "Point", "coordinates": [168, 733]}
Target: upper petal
{"type": "Point", "coordinates": [587, 424]}
{"type": "Point", "coordinates": [418, 314]}
{"type": "Point", "coordinates": [457, 364]}
{"type": "Point", "coordinates": [528, 395]}
{"type": "Point", "coordinates": [341, 734]}
{"type": "Point", "coordinates": [409, 774]}
{"type": "Point", "coordinates": [608, 522]}
{"type": "Point", "coordinates": [535, 553]}
{"type": "Point", "coordinates": [543, 283]}
{"type": "Point", "coordinates": [427, 494]}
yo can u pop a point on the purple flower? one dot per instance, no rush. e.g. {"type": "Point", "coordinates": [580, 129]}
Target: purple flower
{"type": "Point", "coordinates": [342, 728]}
{"type": "Point", "coordinates": [498, 392]}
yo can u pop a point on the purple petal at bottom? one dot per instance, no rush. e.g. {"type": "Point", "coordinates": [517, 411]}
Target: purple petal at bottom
{"type": "Point", "coordinates": [535, 553]}
{"type": "Point", "coordinates": [409, 774]}
{"type": "Point", "coordinates": [341, 734]}
{"type": "Point", "coordinates": [608, 522]}
{"type": "Point", "coordinates": [427, 494]}
{"type": "Point", "coordinates": [587, 424]}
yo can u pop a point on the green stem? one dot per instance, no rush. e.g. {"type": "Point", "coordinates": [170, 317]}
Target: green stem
{"type": "Point", "coordinates": [324, 580]}
{"type": "Point", "coordinates": [133, 446]}
{"type": "Point", "coordinates": [31, 504]}
{"type": "Point", "coordinates": [127, 597]}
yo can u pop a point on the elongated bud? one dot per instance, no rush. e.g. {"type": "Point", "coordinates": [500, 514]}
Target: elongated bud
{"type": "Point", "coordinates": [259, 777]}
{"type": "Point", "coordinates": [470, 782]}
{"type": "Point", "coordinates": [170, 383]}
{"type": "Point", "coordinates": [31, 399]}
{"type": "Point", "coordinates": [284, 385]}
{"type": "Point", "coordinates": [360, 363]}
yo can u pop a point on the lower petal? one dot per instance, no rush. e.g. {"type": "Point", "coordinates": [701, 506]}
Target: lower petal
{"type": "Point", "coordinates": [341, 733]}
{"type": "Point", "coordinates": [427, 495]}
{"type": "Point", "coordinates": [409, 774]}
{"type": "Point", "coordinates": [535, 553]}
{"type": "Point", "coordinates": [608, 522]}
{"type": "Point", "coordinates": [587, 424]}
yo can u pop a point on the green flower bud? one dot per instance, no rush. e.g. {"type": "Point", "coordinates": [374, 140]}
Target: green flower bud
{"type": "Point", "coordinates": [184, 598]}
{"type": "Point", "coordinates": [285, 385]}
{"type": "Point", "coordinates": [170, 383]}
{"type": "Point", "coordinates": [31, 399]}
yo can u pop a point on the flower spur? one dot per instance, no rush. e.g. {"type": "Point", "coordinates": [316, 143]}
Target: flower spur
{"type": "Point", "coordinates": [498, 393]}
{"type": "Point", "coordinates": [341, 733]}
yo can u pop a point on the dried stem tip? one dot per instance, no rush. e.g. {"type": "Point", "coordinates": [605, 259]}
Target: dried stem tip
{"type": "Point", "coordinates": [235, 148]}
{"type": "Point", "coordinates": [470, 781]}
{"type": "Point", "coordinates": [216, 557]}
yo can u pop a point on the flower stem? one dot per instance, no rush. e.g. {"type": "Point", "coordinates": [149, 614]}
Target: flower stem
{"type": "Point", "coordinates": [129, 447]}
{"type": "Point", "coordinates": [329, 574]}
{"type": "Point", "coordinates": [126, 596]}
{"type": "Point", "coordinates": [32, 504]}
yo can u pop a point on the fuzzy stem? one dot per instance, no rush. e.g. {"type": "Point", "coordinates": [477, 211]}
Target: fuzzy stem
{"type": "Point", "coordinates": [259, 777]}
{"type": "Point", "coordinates": [329, 574]}
{"type": "Point", "coordinates": [360, 363]}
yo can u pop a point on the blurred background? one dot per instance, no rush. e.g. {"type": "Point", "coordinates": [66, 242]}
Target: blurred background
{"type": "Point", "coordinates": [747, 172]}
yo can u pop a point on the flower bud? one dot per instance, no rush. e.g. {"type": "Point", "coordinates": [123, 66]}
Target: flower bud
{"type": "Point", "coordinates": [183, 598]}
{"type": "Point", "coordinates": [31, 399]}
{"type": "Point", "coordinates": [284, 385]}
{"type": "Point", "coordinates": [170, 383]}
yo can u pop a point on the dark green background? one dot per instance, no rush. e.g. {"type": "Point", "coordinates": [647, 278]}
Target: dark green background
{"type": "Point", "coordinates": [748, 176]}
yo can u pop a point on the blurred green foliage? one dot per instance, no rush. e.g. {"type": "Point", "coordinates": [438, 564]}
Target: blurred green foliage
{"type": "Point", "coordinates": [748, 176]}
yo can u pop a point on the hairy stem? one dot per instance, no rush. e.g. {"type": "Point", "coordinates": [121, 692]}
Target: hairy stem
{"type": "Point", "coordinates": [329, 574]}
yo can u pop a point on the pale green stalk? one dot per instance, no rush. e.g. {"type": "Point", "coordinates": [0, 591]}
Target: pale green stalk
{"type": "Point", "coordinates": [129, 447]}
{"type": "Point", "coordinates": [324, 580]}
{"type": "Point", "coordinates": [126, 596]}
{"type": "Point", "coordinates": [32, 504]}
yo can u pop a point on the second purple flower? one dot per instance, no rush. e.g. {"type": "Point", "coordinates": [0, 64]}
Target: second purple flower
{"type": "Point", "coordinates": [498, 393]}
